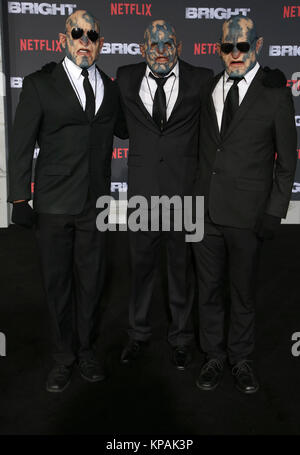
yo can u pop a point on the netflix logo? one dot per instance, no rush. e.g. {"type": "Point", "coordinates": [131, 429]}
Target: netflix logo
{"type": "Point", "coordinates": [40, 45]}
{"type": "Point", "coordinates": [291, 11]}
{"type": "Point", "coordinates": [120, 153]}
{"type": "Point", "coordinates": [293, 83]}
{"type": "Point", "coordinates": [130, 9]}
{"type": "Point", "coordinates": [205, 48]}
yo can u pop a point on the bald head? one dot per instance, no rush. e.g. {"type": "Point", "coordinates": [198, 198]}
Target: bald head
{"type": "Point", "coordinates": [82, 17]}
{"type": "Point", "coordinates": [160, 48]}
{"type": "Point", "coordinates": [81, 40]}
{"type": "Point", "coordinates": [239, 29]}
{"type": "Point", "coordinates": [158, 29]}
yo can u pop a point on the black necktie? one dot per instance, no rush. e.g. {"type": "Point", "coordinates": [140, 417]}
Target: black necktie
{"type": "Point", "coordinates": [159, 103]}
{"type": "Point", "coordinates": [231, 104]}
{"type": "Point", "coordinates": [89, 95]}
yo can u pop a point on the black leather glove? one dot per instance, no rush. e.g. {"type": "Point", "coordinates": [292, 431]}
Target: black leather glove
{"type": "Point", "coordinates": [267, 227]}
{"type": "Point", "coordinates": [23, 215]}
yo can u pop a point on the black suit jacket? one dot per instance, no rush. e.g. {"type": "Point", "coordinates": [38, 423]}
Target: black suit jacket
{"type": "Point", "coordinates": [162, 163]}
{"type": "Point", "coordinates": [75, 154]}
{"type": "Point", "coordinates": [238, 175]}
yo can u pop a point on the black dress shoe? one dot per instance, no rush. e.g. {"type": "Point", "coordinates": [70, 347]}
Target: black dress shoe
{"type": "Point", "coordinates": [181, 357]}
{"type": "Point", "coordinates": [210, 375]}
{"type": "Point", "coordinates": [59, 378]}
{"type": "Point", "coordinates": [90, 370]}
{"type": "Point", "coordinates": [245, 380]}
{"type": "Point", "coordinates": [131, 351]}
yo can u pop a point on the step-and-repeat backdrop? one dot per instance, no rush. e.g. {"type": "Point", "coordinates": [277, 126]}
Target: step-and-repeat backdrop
{"type": "Point", "coordinates": [33, 27]}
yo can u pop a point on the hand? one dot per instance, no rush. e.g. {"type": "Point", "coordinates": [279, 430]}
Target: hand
{"type": "Point", "coordinates": [23, 215]}
{"type": "Point", "coordinates": [267, 227]}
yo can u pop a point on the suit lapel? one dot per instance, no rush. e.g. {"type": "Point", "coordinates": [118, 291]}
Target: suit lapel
{"type": "Point", "coordinates": [211, 106]}
{"type": "Point", "coordinates": [106, 98]}
{"type": "Point", "coordinates": [135, 85]}
{"type": "Point", "coordinates": [64, 87]}
{"type": "Point", "coordinates": [252, 94]}
{"type": "Point", "coordinates": [183, 85]}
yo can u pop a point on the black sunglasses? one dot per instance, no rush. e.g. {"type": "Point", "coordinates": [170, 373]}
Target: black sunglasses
{"type": "Point", "coordinates": [91, 34]}
{"type": "Point", "coordinates": [243, 46]}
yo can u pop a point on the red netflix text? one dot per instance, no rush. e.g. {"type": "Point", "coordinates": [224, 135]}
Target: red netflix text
{"type": "Point", "coordinates": [130, 9]}
{"type": "Point", "coordinates": [291, 11]}
{"type": "Point", "coordinates": [295, 84]}
{"type": "Point", "coordinates": [40, 45]}
{"type": "Point", "coordinates": [119, 153]}
{"type": "Point", "coordinates": [205, 48]}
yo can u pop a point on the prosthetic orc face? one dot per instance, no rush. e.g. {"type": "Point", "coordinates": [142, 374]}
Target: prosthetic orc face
{"type": "Point", "coordinates": [82, 42]}
{"type": "Point", "coordinates": [239, 46]}
{"type": "Point", "coordinates": [160, 47]}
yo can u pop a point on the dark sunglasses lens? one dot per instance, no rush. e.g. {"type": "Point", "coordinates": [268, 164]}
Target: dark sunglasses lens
{"type": "Point", "coordinates": [243, 47]}
{"type": "Point", "coordinates": [76, 33]}
{"type": "Point", "coordinates": [226, 48]}
{"type": "Point", "coordinates": [93, 35]}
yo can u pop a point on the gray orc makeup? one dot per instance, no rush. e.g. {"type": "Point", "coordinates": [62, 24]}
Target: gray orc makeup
{"type": "Point", "coordinates": [82, 51]}
{"type": "Point", "coordinates": [160, 48]}
{"type": "Point", "coordinates": [239, 30]}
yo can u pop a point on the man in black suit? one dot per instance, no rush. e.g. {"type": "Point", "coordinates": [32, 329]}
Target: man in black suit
{"type": "Point", "coordinates": [161, 100]}
{"type": "Point", "coordinates": [247, 162]}
{"type": "Point", "coordinates": [72, 110]}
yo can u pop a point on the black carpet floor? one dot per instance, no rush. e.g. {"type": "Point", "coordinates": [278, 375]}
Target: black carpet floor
{"type": "Point", "coordinates": [151, 397]}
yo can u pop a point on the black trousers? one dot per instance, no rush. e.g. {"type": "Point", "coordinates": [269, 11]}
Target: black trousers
{"type": "Point", "coordinates": [72, 253]}
{"type": "Point", "coordinates": [144, 255]}
{"type": "Point", "coordinates": [227, 249]}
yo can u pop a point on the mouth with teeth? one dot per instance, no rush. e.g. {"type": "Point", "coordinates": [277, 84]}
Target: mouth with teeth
{"type": "Point", "coordinates": [83, 51]}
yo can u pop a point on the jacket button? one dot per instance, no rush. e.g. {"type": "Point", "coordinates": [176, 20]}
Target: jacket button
{"type": "Point", "coordinates": [213, 172]}
{"type": "Point", "coordinates": [161, 160]}
{"type": "Point", "coordinates": [218, 150]}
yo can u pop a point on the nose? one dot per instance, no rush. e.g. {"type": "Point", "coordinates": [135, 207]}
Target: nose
{"type": "Point", "coordinates": [235, 53]}
{"type": "Point", "coordinates": [84, 39]}
{"type": "Point", "coordinates": [160, 48]}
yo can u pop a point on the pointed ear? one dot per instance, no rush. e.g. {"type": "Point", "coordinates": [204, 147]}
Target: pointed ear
{"type": "Point", "coordinates": [259, 44]}
{"type": "Point", "coordinates": [179, 48]}
{"type": "Point", "coordinates": [142, 49]}
{"type": "Point", "coordinates": [101, 42]}
{"type": "Point", "coordinates": [62, 39]}
{"type": "Point", "coordinates": [218, 46]}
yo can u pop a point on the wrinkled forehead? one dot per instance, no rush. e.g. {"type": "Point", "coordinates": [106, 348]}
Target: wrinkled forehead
{"type": "Point", "coordinates": [82, 19]}
{"type": "Point", "coordinates": [241, 29]}
{"type": "Point", "coordinates": [160, 31]}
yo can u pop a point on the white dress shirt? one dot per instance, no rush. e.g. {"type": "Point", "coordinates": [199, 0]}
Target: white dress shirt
{"type": "Point", "coordinates": [171, 88]}
{"type": "Point", "coordinates": [74, 74]}
{"type": "Point", "coordinates": [243, 86]}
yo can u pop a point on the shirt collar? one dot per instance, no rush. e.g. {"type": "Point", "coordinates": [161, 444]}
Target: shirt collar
{"type": "Point", "coordinates": [75, 70]}
{"type": "Point", "coordinates": [248, 78]}
{"type": "Point", "coordinates": [175, 70]}
{"type": "Point", "coordinates": [250, 75]}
